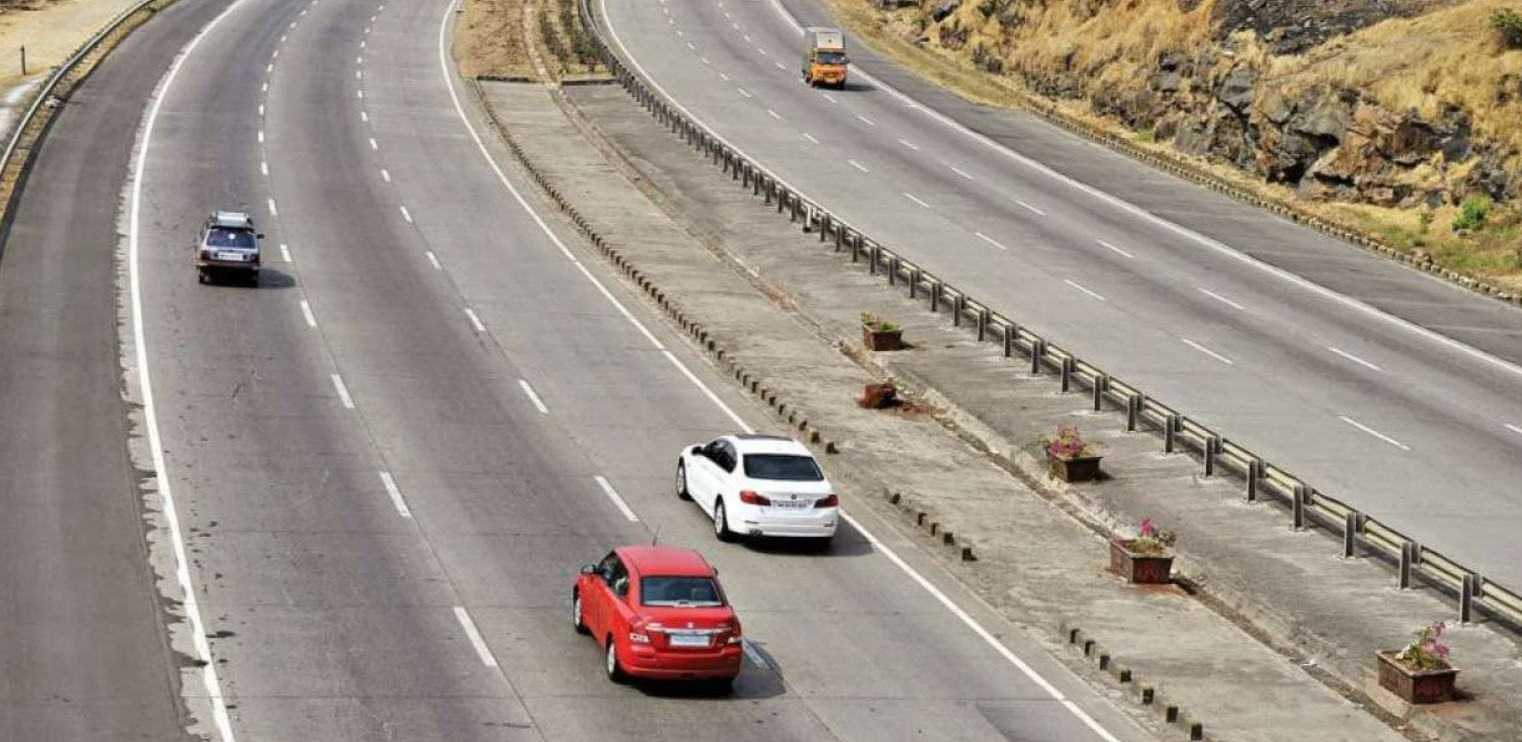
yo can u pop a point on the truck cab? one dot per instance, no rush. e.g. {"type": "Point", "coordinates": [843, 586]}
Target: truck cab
{"type": "Point", "coordinates": [824, 57]}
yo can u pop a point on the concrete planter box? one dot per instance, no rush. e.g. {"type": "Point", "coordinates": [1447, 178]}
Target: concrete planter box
{"type": "Point", "coordinates": [1076, 469]}
{"type": "Point", "coordinates": [882, 339]}
{"type": "Point", "coordinates": [1140, 569]}
{"type": "Point", "coordinates": [1415, 686]}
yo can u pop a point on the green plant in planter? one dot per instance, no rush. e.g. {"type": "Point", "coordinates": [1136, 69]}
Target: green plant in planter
{"type": "Point", "coordinates": [1067, 444]}
{"type": "Point", "coordinates": [1152, 541]}
{"type": "Point", "coordinates": [871, 322]}
{"type": "Point", "coordinates": [1428, 652]}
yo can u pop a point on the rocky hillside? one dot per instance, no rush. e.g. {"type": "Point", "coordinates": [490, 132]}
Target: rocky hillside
{"type": "Point", "coordinates": [1404, 115]}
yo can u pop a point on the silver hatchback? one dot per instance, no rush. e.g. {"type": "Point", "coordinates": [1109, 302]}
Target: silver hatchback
{"type": "Point", "coordinates": [229, 246]}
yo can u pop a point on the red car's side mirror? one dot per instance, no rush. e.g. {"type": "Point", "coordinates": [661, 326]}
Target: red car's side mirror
{"type": "Point", "coordinates": [589, 569]}
{"type": "Point", "coordinates": [260, 235]}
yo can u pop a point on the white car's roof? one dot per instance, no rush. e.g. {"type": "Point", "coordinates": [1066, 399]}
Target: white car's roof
{"type": "Point", "coordinates": [753, 443]}
{"type": "Point", "coordinates": [232, 220]}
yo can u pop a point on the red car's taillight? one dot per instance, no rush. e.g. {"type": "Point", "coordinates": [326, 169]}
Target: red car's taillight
{"type": "Point", "coordinates": [828, 501]}
{"type": "Point", "coordinates": [751, 498]}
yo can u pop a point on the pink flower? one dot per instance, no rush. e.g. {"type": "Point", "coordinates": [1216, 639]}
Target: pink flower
{"type": "Point", "coordinates": [1147, 529]}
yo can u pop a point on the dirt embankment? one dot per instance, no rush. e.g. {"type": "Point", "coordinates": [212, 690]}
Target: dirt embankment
{"type": "Point", "coordinates": [1402, 117]}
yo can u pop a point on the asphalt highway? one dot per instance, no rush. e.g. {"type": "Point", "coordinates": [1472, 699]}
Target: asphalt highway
{"type": "Point", "coordinates": [1382, 386]}
{"type": "Point", "coordinates": [389, 461]}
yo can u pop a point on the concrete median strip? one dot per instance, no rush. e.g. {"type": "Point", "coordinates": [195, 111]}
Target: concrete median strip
{"type": "Point", "coordinates": [732, 314]}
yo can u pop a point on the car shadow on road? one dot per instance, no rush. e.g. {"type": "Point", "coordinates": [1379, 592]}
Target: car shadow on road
{"type": "Point", "coordinates": [273, 278]}
{"type": "Point", "coordinates": [848, 542]}
{"type": "Point", "coordinates": [759, 679]}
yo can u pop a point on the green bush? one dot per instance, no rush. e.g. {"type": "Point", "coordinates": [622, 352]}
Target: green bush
{"type": "Point", "coordinates": [1472, 214]}
{"type": "Point", "coordinates": [1508, 23]}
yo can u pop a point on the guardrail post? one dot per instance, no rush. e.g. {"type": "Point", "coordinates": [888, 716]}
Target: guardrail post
{"type": "Point", "coordinates": [855, 248]}
{"type": "Point", "coordinates": [958, 306]}
{"type": "Point", "coordinates": [982, 325]}
{"type": "Point", "coordinates": [1170, 432]}
{"type": "Point", "coordinates": [1472, 587]}
{"type": "Point", "coordinates": [1410, 552]}
{"type": "Point", "coordinates": [768, 191]}
{"type": "Point", "coordinates": [840, 238]}
{"type": "Point", "coordinates": [826, 222]}
{"type": "Point", "coordinates": [1101, 385]}
{"type": "Point", "coordinates": [935, 296]}
{"type": "Point", "coordinates": [1297, 507]}
{"type": "Point", "coordinates": [893, 271]}
{"type": "Point", "coordinates": [1009, 340]}
{"type": "Point", "coordinates": [1067, 373]}
{"type": "Point", "coordinates": [873, 255]}
{"type": "Point", "coordinates": [1038, 351]}
{"type": "Point", "coordinates": [1212, 447]}
{"type": "Point", "coordinates": [914, 284]}
{"type": "Point", "coordinates": [1352, 526]}
{"type": "Point", "coordinates": [1254, 473]}
{"type": "Point", "coordinates": [1133, 412]}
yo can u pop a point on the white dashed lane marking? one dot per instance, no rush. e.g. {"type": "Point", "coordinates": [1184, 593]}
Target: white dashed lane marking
{"type": "Point", "coordinates": [475, 321]}
{"type": "Point", "coordinates": [1115, 249]}
{"type": "Point", "coordinates": [618, 501]}
{"type": "Point", "coordinates": [1208, 352]}
{"type": "Point", "coordinates": [1078, 287]}
{"type": "Point", "coordinates": [1223, 299]}
{"type": "Point", "coordinates": [396, 495]}
{"type": "Point", "coordinates": [533, 397]}
{"type": "Point", "coordinates": [343, 392]}
{"type": "Point", "coordinates": [990, 240]}
{"type": "Point", "coordinates": [858, 166]}
{"type": "Point", "coordinates": [1373, 432]}
{"type": "Point", "coordinates": [915, 199]}
{"type": "Point", "coordinates": [306, 311]}
{"type": "Point", "coordinates": [1354, 359]}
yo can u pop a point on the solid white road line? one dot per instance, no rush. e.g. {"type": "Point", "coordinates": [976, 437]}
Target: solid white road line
{"type": "Point", "coordinates": [533, 397]}
{"type": "Point", "coordinates": [866, 120]}
{"type": "Point", "coordinates": [810, 137]}
{"type": "Point", "coordinates": [912, 197]}
{"type": "Point", "coordinates": [1373, 432]}
{"type": "Point", "coordinates": [1354, 359]}
{"type": "Point", "coordinates": [396, 495]}
{"type": "Point", "coordinates": [773, 114]}
{"type": "Point", "coordinates": [385, 175]}
{"type": "Point", "coordinates": [1208, 352]}
{"type": "Point", "coordinates": [273, 210]}
{"type": "Point", "coordinates": [475, 636]}
{"type": "Point", "coordinates": [753, 655]}
{"type": "Point", "coordinates": [990, 240]}
{"type": "Point", "coordinates": [1223, 300]}
{"type": "Point", "coordinates": [343, 392]}
{"type": "Point", "coordinates": [406, 214]}
{"type": "Point", "coordinates": [306, 311]}
{"type": "Point", "coordinates": [858, 166]}
{"type": "Point", "coordinates": [1032, 209]}
{"type": "Point", "coordinates": [1115, 249]}
{"type": "Point", "coordinates": [1514, 428]}
{"type": "Point", "coordinates": [433, 259]}
{"type": "Point", "coordinates": [285, 252]}
{"type": "Point", "coordinates": [961, 172]}
{"type": "Point", "coordinates": [618, 501]}
{"type": "Point", "coordinates": [190, 604]}
{"type": "Point", "coordinates": [1084, 290]}
{"type": "Point", "coordinates": [935, 592]}
{"type": "Point", "coordinates": [475, 321]}
{"type": "Point", "coordinates": [909, 144]}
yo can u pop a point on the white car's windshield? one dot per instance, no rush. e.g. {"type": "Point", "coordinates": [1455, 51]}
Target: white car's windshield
{"type": "Point", "coordinates": [695, 592]}
{"type": "Point", "coordinates": [786, 467]}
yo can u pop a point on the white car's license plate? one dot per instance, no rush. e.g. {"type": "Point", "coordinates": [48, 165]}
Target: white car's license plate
{"type": "Point", "coordinates": [236, 257]}
{"type": "Point", "coordinates": [689, 640]}
{"type": "Point", "coordinates": [792, 504]}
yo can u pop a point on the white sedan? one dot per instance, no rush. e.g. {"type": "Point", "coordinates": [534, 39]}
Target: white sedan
{"type": "Point", "coordinates": [759, 485]}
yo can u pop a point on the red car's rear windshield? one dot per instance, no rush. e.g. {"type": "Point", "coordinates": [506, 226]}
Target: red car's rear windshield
{"type": "Point", "coordinates": [782, 466]}
{"type": "Point", "coordinates": [694, 592]}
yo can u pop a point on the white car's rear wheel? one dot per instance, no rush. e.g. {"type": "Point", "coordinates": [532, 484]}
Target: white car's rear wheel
{"type": "Point", "coordinates": [721, 522]}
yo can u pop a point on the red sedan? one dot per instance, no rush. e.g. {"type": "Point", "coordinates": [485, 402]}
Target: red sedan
{"type": "Point", "coordinates": [658, 612]}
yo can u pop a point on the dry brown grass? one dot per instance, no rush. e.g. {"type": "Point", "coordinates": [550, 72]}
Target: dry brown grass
{"type": "Point", "coordinates": [489, 40]}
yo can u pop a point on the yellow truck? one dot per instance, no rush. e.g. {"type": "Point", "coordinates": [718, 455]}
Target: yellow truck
{"type": "Point", "coordinates": [824, 57]}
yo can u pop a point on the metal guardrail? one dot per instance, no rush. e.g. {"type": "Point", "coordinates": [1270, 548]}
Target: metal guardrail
{"type": "Point", "coordinates": [1217, 452]}
{"type": "Point", "coordinates": [69, 64]}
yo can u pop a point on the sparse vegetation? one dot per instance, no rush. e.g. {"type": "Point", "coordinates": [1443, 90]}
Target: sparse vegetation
{"type": "Point", "coordinates": [1472, 214]}
{"type": "Point", "coordinates": [1508, 23]}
